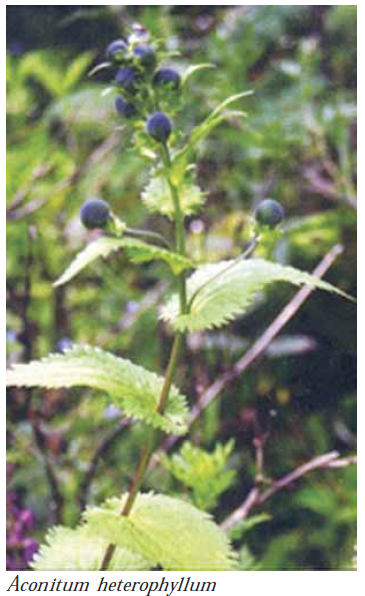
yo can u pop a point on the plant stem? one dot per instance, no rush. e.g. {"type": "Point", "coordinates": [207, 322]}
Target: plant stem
{"type": "Point", "coordinates": [137, 481]}
{"type": "Point", "coordinates": [155, 435]}
{"type": "Point", "coordinates": [180, 231]}
{"type": "Point", "coordinates": [147, 234]}
{"type": "Point", "coordinates": [146, 455]}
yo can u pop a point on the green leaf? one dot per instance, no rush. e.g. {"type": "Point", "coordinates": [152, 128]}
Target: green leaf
{"type": "Point", "coordinates": [41, 66]}
{"type": "Point", "coordinates": [201, 131]}
{"type": "Point", "coordinates": [130, 387]}
{"type": "Point", "coordinates": [141, 252]}
{"type": "Point", "coordinates": [169, 532]}
{"type": "Point", "coordinates": [73, 550]}
{"type": "Point", "coordinates": [138, 251]}
{"type": "Point", "coordinates": [76, 70]}
{"type": "Point", "coordinates": [181, 159]}
{"type": "Point", "coordinates": [191, 70]}
{"type": "Point", "coordinates": [226, 289]}
{"type": "Point", "coordinates": [246, 561]}
{"type": "Point", "coordinates": [227, 102]}
{"type": "Point", "coordinates": [157, 197]}
{"type": "Point", "coordinates": [102, 247]}
{"type": "Point", "coordinates": [207, 474]}
{"type": "Point", "coordinates": [245, 525]}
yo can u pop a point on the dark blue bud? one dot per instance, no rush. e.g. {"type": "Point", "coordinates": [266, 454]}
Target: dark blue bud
{"type": "Point", "coordinates": [269, 213]}
{"type": "Point", "coordinates": [145, 56]}
{"type": "Point", "coordinates": [128, 78]}
{"type": "Point", "coordinates": [117, 50]}
{"type": "Point", "coordinates": [167, 76]}
{"type": "Point", "coordinates": [95, 213]}
{"type": "Point", "coordinates": [159, 127]}
{"type": "Point", "coordinates": [125, 108]}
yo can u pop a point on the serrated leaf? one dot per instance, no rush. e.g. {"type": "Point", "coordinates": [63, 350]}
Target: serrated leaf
{"type": "Point", "coordinates": [207, 474]}
{"type": "Point", "coordinates": [191, 70]}
{"type": "Point", "coordinates": [157, 197]}
{"type": "Point", "coordinates": [138, 250]}
{"type": "Point", "coordinates": [73, 550]}
{"type": "Point", "coordinates": [226, 289]}
{"type": "Point", "coordinates": [132, 388]}
{"type": "Point", "coordinates": [170, 532]}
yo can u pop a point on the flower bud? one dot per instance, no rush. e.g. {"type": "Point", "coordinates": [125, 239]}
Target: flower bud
{"type": "Point", "coordinates": [125, 108]}
{"type": "Point", "coordinates": [269, 213]}
{"type": "Point", "coordinates": [159, 127]}
{"type": "Point", "coordinates": [167, 76]}
{"type": "Point", "coordinates": [145, 56]}
{"type": "Point", "coordinates": [116, 50]}
{"type": "Point", "coordinates": [95, 213]}
{"type": "Point", "coordinates": [128, 78]}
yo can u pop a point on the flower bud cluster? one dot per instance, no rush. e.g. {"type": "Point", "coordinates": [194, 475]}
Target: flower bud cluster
{"type": "Point", "coordinates": [143, 84]}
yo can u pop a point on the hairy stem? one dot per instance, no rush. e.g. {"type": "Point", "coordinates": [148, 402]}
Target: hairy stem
{"type": "Point", "coordinates": [155, 435]}
{"type": "Point", "coordinates": [179, 223]}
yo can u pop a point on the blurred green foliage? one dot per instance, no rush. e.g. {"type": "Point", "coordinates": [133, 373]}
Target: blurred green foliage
{"type": "Point", "coordinates": [206, 474]}
{"type": "Point", "coordinates": [298, 145]}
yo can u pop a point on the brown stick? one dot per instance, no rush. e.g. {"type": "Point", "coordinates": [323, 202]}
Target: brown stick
{"type": "Point", "coordinates": [255, 497]}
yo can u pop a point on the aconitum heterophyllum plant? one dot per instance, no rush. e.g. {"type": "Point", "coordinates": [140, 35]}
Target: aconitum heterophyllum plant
{"type": "Point", "coordinates": [138, 530]}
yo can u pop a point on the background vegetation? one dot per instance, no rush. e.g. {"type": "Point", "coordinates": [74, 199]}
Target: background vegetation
{"type": "Point", "coordinates": [298, 145]}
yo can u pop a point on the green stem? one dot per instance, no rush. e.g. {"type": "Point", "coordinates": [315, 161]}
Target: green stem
{"type": "Point", "coordinates": [154, 437]}
{"type": "Point", "coordinates": [146, 455]}
{"type": "Point", "coordinates": [147, 234]}
{"type": "Point", "coordinates": [148, 452]}
{"type": "Point", "coordinates": [179, 223]}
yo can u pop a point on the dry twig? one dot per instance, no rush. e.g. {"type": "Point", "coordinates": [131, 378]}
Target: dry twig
{"type": "Point", "coordinates": [257, 497]}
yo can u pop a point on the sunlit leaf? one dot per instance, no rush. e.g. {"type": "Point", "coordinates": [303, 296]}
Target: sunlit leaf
{"type": "Point", "coordinates": [139, 252]}
{"type": "Point", "coordinates": [157, 197]}
{"type": "Point", "coordinates": [73, 550]}
{"type": "Point", "coordinates": [169, 532]}
{"type": "Point", "coordinates": [130, 387]}
{"type": "Point", "coordinates": [226, 289]}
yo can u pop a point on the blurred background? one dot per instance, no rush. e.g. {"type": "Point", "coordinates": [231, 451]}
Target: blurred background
{"type": "Point", "coordinates": [298, 145]}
